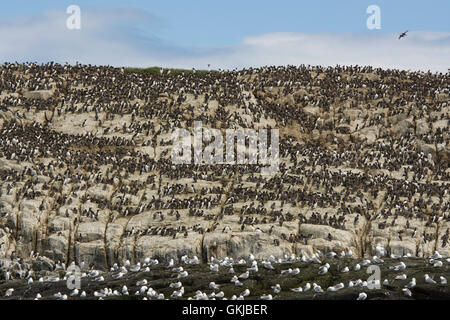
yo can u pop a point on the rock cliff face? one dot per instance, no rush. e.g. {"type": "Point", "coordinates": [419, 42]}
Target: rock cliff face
{"type": "Point", "coordinates": [86, 173]}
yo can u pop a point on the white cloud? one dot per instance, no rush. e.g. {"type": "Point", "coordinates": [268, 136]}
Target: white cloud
{"type": "Point", "coordinates": [106, 38]}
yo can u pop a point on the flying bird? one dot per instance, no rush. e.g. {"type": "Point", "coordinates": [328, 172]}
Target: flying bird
{"type": "Point", "coordinates": [403, 34]}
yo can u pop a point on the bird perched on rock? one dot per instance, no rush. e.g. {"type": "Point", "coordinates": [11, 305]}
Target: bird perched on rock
{"type": "Point", "coordinates": [268, 265]}
{"type": "Point", "coordinates": [438, 264]}
{"type": "Point", "coordinates": [375, 259]}
{"type": "Point", "coordinates": [429, 280]}
{"type": "Point", "coordinates": [214, 268]}
{"type": "Point", "coordinates": [436, 255]}
{"type": "Point", "coordinates": [177, 294]}
{"type": "Point", "coordinates": [245, 293]}
{"type": "Point", "coordinates": [401, 277]}
{"type": "Point", "coordinates": [237, 283]}
{"type": "Point", "coordinates": [411, 284]}
{"type": "Point", "coordinates": [317, 288]}
{"type": "Point", "coordinates": [254, 267]}
{"type": "Point", "coordinates": [94, 273]}
{"type": "Point", "coordinates": [288, 271]}
{"type": "Point", "coordinates": [142, 282]}
{"type": "Point", "coordinates": [179, 269]}
{"type": "Point", "coordinates": [213, 286]}
{"type": "Point", "coordinates": [9, 292]}
{"type": "Point", "coordinates": [295, 271]}
{"type": "Point", "coordinates": [175, 285]}
{"type": "Point", "coordinates": [74, 292]}
{"type": "Point", "coordinates": [365, 262]}
{"type": "Point", "coordinates": [399, 267]}
{"type": "Point", "coordinates": [337, 287]}
{"type": "Point", "coordinates": [362, 296]}
{"type": "Point", "coordinates": [136, 268]}
{"type": "Point", "coordinates": [323, 269]}
{"type": "Point", "coordinates": [381, 252]}
{"type": "Point", "coordinates": [99, 279]}
{"type": "Point", "coordinates": [276, 288]}
{"type": "Point", "coordinates": [118, 275]}
{"type": "Point", "coordinates": [407, 292]}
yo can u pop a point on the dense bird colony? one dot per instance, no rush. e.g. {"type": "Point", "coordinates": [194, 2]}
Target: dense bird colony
{"type": "Point", "coordinates": [86, 179]}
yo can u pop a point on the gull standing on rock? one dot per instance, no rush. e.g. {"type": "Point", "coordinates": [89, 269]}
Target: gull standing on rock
{"type": "Point", "coordinates": [276, 288]}
{"type": "Point", "coordinates": [401, 277]}
{"type": "Point", "coordinates": [9, 292]}
{"type": "Point", "coordinates": [429, 280]}
{"type": "Point", "coordinates": [399, 267]}
{"type": "Point", "coordinates": [214, 268]}
{"type": "Point", "coordinates": [213, 286]}
{"type": "Point", "coordinates": [324, 269]}
{"type": "Point", "coordinates": [407, 292]}
{"type": "Point", "coordinates": [317, 288]}
{"type": "Point", "coordinates": [411, 284]}
{"type": "Point", "coordinates": [362, 296]}
{"type": "Point", "coordinates": [245, 293]}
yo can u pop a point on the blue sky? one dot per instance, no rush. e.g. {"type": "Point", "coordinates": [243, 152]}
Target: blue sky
{"type": "Point", "coordinates": [228, 33]}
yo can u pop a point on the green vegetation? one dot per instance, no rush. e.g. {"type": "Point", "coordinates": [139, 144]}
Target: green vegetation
{"type": "Point", "coordinates": [259, 283]}
{"type": "Point", "coordinates": [157, 70]}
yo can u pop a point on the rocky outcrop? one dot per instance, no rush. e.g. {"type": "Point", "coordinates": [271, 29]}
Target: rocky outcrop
{"type": "Point", "coordinates": [242, 245]}
{"type": "Point", "coordinates": [363, 162]}
{"type": "Point", "coordinates": [38, 94]}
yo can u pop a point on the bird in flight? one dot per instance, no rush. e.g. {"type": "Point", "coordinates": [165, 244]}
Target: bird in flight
{"type": "Point", "coordinates": [403, 34]}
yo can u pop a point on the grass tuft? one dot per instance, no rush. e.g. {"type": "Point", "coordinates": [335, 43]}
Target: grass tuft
{"type": "Point", "coordinates": [174, 71]}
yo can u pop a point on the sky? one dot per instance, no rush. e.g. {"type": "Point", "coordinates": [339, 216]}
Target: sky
{"type": "Point", "coordinates": [228, 34]}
